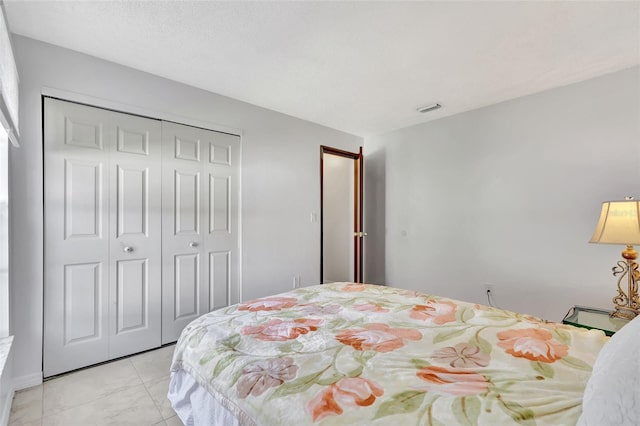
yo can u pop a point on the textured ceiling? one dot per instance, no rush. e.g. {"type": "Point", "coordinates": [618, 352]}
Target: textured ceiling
{"type": "Point", "coordinates": [361, 67]}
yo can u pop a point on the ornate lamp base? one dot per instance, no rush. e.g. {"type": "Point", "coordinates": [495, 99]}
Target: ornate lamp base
{"type": "Point", "coordinates": [624, 313]}
{"type": "Point", "coordinates": [627, 304]}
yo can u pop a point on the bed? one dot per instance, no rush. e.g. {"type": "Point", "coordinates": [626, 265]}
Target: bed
{"type": "Point", "coordinates": [359, 354]}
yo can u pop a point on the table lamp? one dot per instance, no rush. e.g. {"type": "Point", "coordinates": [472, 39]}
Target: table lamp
{"type": "Point", "coordinates": [619, 223]}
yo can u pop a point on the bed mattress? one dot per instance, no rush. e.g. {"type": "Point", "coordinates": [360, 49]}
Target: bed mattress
{"type": "Point", "coordinates": [357, 354]}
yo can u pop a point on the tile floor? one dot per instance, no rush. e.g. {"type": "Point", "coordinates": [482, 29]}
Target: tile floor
{"type": "Point", "coordinates": [131, 391]}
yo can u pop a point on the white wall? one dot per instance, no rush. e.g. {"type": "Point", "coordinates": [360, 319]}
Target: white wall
{"type": "Point", "coordinates": [4, 233]}
{"type": "Point", "coordinates": [280, 178]}
{"type": "Point", "coordinates": [507, 195]}
{"type": "Point", "coordinates": [337, 212]}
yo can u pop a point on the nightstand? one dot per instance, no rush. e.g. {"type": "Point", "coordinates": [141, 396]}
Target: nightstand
{"type": "Point", "coordinates": [593, 318]}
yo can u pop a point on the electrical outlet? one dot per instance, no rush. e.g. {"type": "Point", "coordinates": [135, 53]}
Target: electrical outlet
{"type": "Point", "coordinates": [296, 281]}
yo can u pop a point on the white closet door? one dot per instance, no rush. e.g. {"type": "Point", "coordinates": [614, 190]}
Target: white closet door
{"type": "Point", "coordinates": [221, 239]}
{"type": "Point", "coordinates": [200, 224]}
{"type": "Point", "coordinates": [76, 289]}
{"type": "Point", "coordinates": [136, 236]}
{"type": "Point", "coordinates": [102, 235]}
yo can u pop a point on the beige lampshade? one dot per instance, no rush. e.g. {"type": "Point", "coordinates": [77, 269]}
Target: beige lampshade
{"type": "Point", "coordinates": [619, 223]}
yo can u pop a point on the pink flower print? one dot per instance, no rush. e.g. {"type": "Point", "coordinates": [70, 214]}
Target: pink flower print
{"type": "Point", "coordinates": [369, 307]}
{"type": "Point", "coordinates": [259, 377]}
{"type": "Point", "coordinates": [452, 381]}
{"type": "Point", "coordinates": [346, 392]}
{"type": "Point", "coordinates": [313, 309]}
{"type": "Point", "coordinates": [278, 330]}
{"type": "Point", "coordinates": [435, 311]}
{"type": "Point", "coordinates": [462, 355]}
{"type": "Point", "coordinates": [268, 304]}
{"type": "Point", "coordinates": [533, 344]}
{"type": "Point", "coordinates": [377, 337]}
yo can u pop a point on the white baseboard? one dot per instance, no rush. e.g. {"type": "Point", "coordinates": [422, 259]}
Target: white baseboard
{"type": "Point", "coordinates": [5, 408]}
{"type": "Point", "coordinates": [27, 381]}
{"type": "Point", "coordinates": [16, 384]}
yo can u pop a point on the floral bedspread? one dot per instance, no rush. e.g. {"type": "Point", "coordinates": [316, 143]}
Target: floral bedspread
{"type": "Point", "coordinates": [357, 354]}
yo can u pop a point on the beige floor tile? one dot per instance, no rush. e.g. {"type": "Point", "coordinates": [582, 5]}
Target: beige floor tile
{"type": "Point", "coordinates": [174, 421]}
{"type": "Point", "coordinates": [158, 389]}
{"type": "Point", "coordinates": [32, 423]}
{"type": "Point", "coordinates": [26, 407]}
{"type": "Point", "coordinates": [155, 364]}
{"type": "Point", "coordinates": [88, 385]}
{"type": "Point", "coordinates": [129, 407]}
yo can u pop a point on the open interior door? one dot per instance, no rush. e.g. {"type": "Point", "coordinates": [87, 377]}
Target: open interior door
{"type": "Point", "coordinates": [341, 216]}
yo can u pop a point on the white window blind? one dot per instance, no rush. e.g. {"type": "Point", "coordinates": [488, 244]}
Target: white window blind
{"type": "Point", "coordinates": [8, 82]}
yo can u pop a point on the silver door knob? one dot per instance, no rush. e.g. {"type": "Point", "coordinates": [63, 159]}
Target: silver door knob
{"type": "Point", "coordinates": [128, 249]}
{"type": "Point", "coordinates": [193, 244]}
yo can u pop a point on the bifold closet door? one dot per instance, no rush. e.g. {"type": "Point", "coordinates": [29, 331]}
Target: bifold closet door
{"type": "Point", "coordinates": [199, 224]}
{"type": "Point", "coordinates": [136, 236]}
{"type": "Point", "coordinates": [102, 286]}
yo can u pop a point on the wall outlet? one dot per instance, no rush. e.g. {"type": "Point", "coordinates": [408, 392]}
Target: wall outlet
{"type": "Point", "coordinates": [296, 281]}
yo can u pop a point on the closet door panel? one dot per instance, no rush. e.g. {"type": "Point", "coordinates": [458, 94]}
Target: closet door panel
{"type": "Point", "coordinates": [102, 235]}
{"type": "Point", "coordinates": [184, 298]}
{"type": "Point", "coordinates": [186, 286]}
{"type": "Point", "coordinates": [132, 292]}
{"type": "Point", "coordinates": [136, 235]}
{"type": "Point", "coordinates": [76, 282]}
{"type": "Point", "coordinates": [202, 228]}
{"type": "Point", "coordinates": [221, 241]}
{"type": "Point", "coordinates": [220, 275]}
{"type": "Point", "coordinates": [186, 202]}
{"type": "Point", "coordinates": [83, 287]}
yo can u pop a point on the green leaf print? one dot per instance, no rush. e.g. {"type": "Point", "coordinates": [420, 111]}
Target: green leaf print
{"type": "Point", "coordinates": [483, 344]}
{"type": "Point", "coordinates": [446, 335]}
{"type": "Point", "coordinates": [337, 323]}
{"type": "Point", "coordinates": [308, 297]}
{"type": "Point", "coordinates": [195, 340]}
{"type": "Point", "coordinates": [402, 403]}
{"type": "Point", "coordinates": [467, 410]}
{"type": "Point", "coordinates": [222, 364]}
{"type": "Point", "coordinates": [518, 413]}
{"type": "Point", "coordinates": [363, 356]}
{"type": "Point", "coordinates": [576, 363]}
{"type": "Point", "coordinates": [232, 341]}
{"type": "Point", "coordinates": [561, 336]}
{"type": "Point", "coordinates": [545, 369]}
{"type": "Point", "coordinates": [291, 346]}
{"type": "Point", "coordinates": [326, 381]}
{"type": "Point", "coordinates": [496, 315]}
{"type": "Point", "coordinates": [464, 315]}
{"type": "Point", "coordinates": [296, 386]}
{"type": "Point", "coordinates": [419, 363]}
{"type": "Point", "coordinates": [356, 372]}
{"type": "Point", "coordinates": [208, 357]}
{"type": "Point", "coordinates": [428, 414]}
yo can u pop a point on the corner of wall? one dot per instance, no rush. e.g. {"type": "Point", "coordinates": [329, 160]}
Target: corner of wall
{"type": "Point", "coordinates": [27, 381]}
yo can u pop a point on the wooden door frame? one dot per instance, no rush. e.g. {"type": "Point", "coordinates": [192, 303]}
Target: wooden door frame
{"type": "Point", "coordinates": [357, 210]}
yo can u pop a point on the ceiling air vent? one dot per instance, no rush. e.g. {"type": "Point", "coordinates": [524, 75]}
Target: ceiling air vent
{"type": "Point", "coordinates": [428, 108]}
